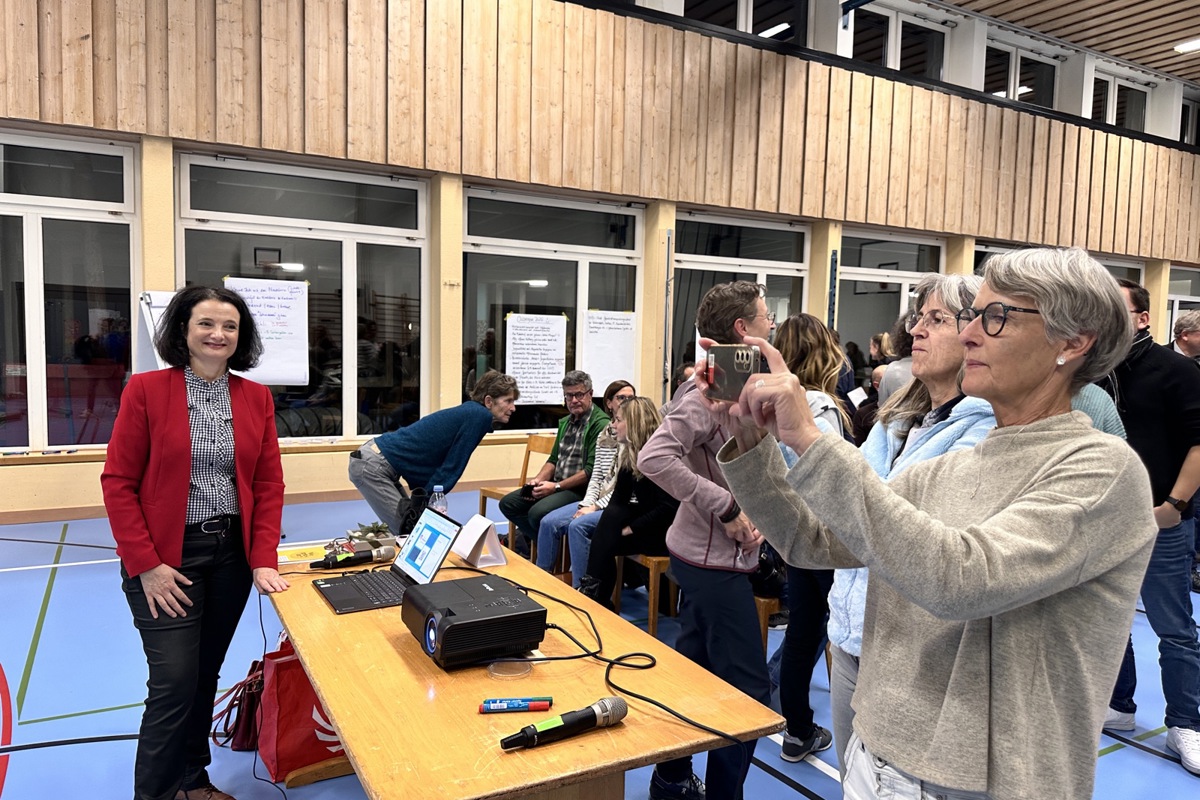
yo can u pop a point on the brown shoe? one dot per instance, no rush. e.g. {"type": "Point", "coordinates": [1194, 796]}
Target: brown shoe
{"type": "Point", "coordinates": [209, 792]}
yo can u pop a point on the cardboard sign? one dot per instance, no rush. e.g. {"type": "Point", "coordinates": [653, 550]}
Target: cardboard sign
{"type": "Point", "coordinates": [478, 544]}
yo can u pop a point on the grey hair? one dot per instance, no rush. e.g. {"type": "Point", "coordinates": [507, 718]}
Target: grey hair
{"type": "Point", "coordinates": [912, 401]}
{"type": "Point", "coordinates": [1076, 296]}
{"type": "Point", "coordinates": [576, 377]}
{"type": "Point", "coordinates": [1187, 322]}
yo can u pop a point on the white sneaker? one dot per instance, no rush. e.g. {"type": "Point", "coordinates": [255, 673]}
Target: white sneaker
{"type": "Point", "coordinates": [1185, 742]}
{"type": "Point", "coordinates": [1118, 720]}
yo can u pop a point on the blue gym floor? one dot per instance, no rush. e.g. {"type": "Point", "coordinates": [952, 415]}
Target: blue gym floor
{"type": "Point", "coordinates": [71, 667]}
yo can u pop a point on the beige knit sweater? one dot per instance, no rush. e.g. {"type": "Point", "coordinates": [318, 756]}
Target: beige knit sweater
{"type": "Point", "coordinates": [1003, 583]}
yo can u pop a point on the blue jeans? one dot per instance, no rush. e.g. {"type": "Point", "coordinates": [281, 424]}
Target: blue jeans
{"type": "Point", "coordinates": [578, 530]}
{"type": "Point", "coordinates": [1166, 595]}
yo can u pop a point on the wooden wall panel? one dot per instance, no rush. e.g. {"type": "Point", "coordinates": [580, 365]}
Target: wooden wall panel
{"type": "Point", "coordinates": [158, 108]}
{"type": "Point", "coordinates": [1174, 163]}
{"type": "Point", "coordinates": [1083, 188]}
{"type": "Point", "coordinates": [1006, 172]}
{"type": "Point", "coordinates": [837, 138]}
{"type": "Point", "coordinates": [1052, 169]}
{"type": "Point", "coordinates": [22, 60]}
{"type": "Point", "coordinates": [5, 57]}
{"type": "Point", "coordinates": [181, 69]}
{"type": "Point", "coordinates": [956, 164]}
{"type": "Point", "coordinates": [239, 66]}
{"type": "Point", "coordinates": [1137, 175]}
{"type": "Point", "coordinates": [616, 161]}
{"type": "Point", "coordinates": [1120, 220]}
{"type": "Point", "coordinates": [573, 101]}
{"type": "Point", "coordinates": [745, 126]}
{"type": "Point", "coordinates": [1187, 222]}
{"type": "Point", "coordinates": [325, 78]}
{"type": "Point", "coordinates": [406, 84]}
{"type": "Point", "coordinates": [659, 60]}
{"type": "Point", "coordinates": [206, 71]}
{"type": "Point", "coordinates": [1112, 185]}
{"type": "Point", "coordinates": [50, 63]}
{"type": "Point", "coordinates": [514, 34]}
{"type": "Point", "coordinates": [282, 76]}
{"type": "Point", "coordinates": [602, 126]}
{"type": "Point", "coordinates": [676, 135]}
{"type": "Point", "coordinates": [1150, 195]}
{"type": "Point", "coordinates": [939, 133]}
{"type": "Point", "coordinates": [881, 155]}
{"type": "Point", "coordinates": [918, 154]}
{"type": "Point", "coordinates": [366, 80]}
{"type": "Point", "coordinates": [693, 137]}
{"type": "Point", "coordinates": [632, 77]}
{"type": "Point", "coordinates": [816, 129]}
{"type": "Point", "coordinates": [1023, 179]}
{"type": "Point", "coordinates": [1095, 205]}
{"type": "Point", "coordinates": [1037, 185]}
{"type": "Point", "coordinates": [770, 132]}
{"type": "Point", "coordinates": [722, 81]}
{"type": "Point", "coordinates": [791, 163]}
{"type": "Point", "coordinates": [990, 176]}
{"type": "Point", "coordinates": [443, 85]}
{"type": "Point", "coordinates": [858, 162]}
{"type": "Point", "coordinates": [104, 64]}
{"type": "Point", "coordinates": [1193, 247]}
{"type": "Point", "coordinates": [479, 86]}
{"type": "Point", "coordinates": [974, 154]}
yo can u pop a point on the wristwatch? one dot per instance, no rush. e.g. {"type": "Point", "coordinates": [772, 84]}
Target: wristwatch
{"type": "Point", "coordinates": [1178, 505]}
{"type": "Point", "coordinates": [558, 487]}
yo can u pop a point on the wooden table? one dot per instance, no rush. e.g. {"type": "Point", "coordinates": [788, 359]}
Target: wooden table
{"type": "Point", "coordinates": [412, 730]}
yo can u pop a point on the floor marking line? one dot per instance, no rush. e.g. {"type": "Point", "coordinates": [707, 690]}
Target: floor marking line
{"type": "Point", "coordinates": [785, 779]}
{"type": "Point", "coordinates": [1136, 742]}
{"type": "Point", "coordinates": [60, 566]}
{"type": "Point", "coordinates": [23, 687]}
{"type": "Point", "coordinates": [74, 714]}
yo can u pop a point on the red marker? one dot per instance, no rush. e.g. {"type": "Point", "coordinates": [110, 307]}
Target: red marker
{"type": "Point", "coordinates": [501, 706]}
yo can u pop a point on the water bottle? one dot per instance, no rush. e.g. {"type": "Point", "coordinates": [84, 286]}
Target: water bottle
{"type": "Point", "coordinates": [437, 500]}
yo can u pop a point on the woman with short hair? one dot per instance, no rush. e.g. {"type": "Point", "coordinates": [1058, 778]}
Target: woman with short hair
{"type": "Point", "coordinates": [1000, 599]}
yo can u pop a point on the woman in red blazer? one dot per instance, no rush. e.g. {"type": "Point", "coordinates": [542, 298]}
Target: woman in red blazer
{"type": "Point", "coordinates": [193, 487]}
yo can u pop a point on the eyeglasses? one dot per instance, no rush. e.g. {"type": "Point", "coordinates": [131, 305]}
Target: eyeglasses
{"type": "Point", "coordinates": [576, 395]}
{"type": "Point", "coordinates": [769, 316]}
{"type": "Point", "coordinates": [994, 316]}
{"type": "Point", "coordinates": [933, 320]}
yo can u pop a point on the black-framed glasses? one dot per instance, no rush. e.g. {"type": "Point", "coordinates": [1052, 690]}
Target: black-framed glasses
{"type": "Point", "coordinates": [933, 320]}
{"type": "Point", "coordinates": [994, 316]}
{"type": "Point", "coordinates": [576, 395]}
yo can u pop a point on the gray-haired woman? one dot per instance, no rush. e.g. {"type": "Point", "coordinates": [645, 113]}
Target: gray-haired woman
{"type": "Point", "coordinates": [1000, 600]}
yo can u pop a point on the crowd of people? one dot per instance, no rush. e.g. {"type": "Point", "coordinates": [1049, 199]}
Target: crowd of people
{"type": "Point", "coordinates": [970, 537]}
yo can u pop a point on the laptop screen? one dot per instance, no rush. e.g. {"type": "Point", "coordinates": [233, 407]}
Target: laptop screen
{"type": "Point", "coordinates": [427, 546]}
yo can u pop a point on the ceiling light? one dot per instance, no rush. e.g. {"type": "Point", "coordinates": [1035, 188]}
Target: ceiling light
{"type": "Point", "coordinates": [291, 267]}
{"type": "Point", "coordinates": [1188, 47]}
{"type": "Point", "coordinates": [538, 284]}
{"type": "Point", "coordinates": [774, 29]}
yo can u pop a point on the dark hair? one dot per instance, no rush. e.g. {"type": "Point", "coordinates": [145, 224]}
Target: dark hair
{"type": "Point", "coordinates": [1137, 294]}
{"type": "Point", "coordinates": [902, 340]}
{"type": "Point", "coordinates": [725, 304]}
{"type": "Point", "coordinates": [170, 340]}
{"type": "Point", "coordinates": [493, 384]}
{"type": "Point", "coordinates": [612, 390]}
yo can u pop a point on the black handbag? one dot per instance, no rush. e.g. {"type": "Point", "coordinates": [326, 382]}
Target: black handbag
{"type": "Point", "coordinates": [770, 576]}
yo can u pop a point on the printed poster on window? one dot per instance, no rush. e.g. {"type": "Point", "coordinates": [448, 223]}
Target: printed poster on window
{"type": "Point", "coordinates": [280, 310]}
{"type": "Point", "coordinates": [609, 347]}
{"type": "Point", "coordinates": [535, 347]}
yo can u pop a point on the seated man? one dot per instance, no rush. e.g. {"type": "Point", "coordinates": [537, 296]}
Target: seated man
{"type": "Point", "coordinates": [564, 476]}
{"type": "Point", "coordinates": [433, 451]}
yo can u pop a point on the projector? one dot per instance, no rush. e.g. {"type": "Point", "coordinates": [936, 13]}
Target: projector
{"type": "Point", "coordinates": [463, 622]}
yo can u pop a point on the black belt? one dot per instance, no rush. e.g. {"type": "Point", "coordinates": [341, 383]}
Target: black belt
{"type": "Point", "coordinates": [214, 526]}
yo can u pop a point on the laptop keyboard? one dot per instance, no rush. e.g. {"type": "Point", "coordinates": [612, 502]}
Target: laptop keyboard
{"type": "Point", "coordinates": [380, 588]}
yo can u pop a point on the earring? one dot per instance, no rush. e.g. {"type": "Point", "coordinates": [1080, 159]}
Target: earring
{"type": "Point", "coordinates": [1061, 361]}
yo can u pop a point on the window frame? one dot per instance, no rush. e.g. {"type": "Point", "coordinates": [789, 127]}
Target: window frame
{"type": "Point", "coordinates": [896, 21]}
{"type": "Point", "coordinates": [1192, 134]}
{"type": "Point", "coordinates": [1016, 53]}
{"type": "Point", "coordinates": [127, 152]}
{"type": "Point", "coordinates": [348, 236]}
{"type": "Point", "coordinates": [1114, 81]}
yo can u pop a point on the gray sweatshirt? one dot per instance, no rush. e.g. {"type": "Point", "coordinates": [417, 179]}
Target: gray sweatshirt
{"type": "Point", "coordinates": [1003, 587]}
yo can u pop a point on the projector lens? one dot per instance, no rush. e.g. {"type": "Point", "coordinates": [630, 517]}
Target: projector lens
{"type": "Point", "coordinates": [430, 634]}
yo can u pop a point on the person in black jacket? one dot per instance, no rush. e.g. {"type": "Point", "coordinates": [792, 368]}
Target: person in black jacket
{"type": "Point", "coordinates": [639, 513]}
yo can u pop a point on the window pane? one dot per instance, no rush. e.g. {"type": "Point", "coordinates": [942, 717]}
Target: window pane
{"type": "Point", "coordinates": [1184, 281]}
{"type": "Point", "coordinates": [886, 254]}
{"type": "Point", "coordinates": [1036, 85]}
{"type": "Point", "coordinates": [866, 308]}
{"type": "Point", "coordinates": [689, 287]}
{"type": "Point", "coordinates": [61, 173]}
{"type": "Point", "coordinates": [921, 51]}
{"type": "Point", "coordinates": [315, 407]}
{"type": "Point", "coordinates": [389, 347]}
{"type": "Point", "coordinates": [88, 305]}
{"type": "Point", "coordinates": [503, 219]}
{"type": "Point", "coordinates": [1129, 273]}
{"type": "Point", "coordinates": [14, 413]}
{"type": "Point", "coordinates": [1099, 100]}
{"type": "Point", "coordinates": [870, 37]}
{"type": "Point", "coordinates": [1131, 108]}
{"type": "Point", "coordinates": [495, 286]}
{"type": "Point", "coordinates": [722, 13]}
{"type": "Point", "coordinates": [784, 294]}
{"type": "Point", "coordinates": [612, 287]}
{"type": "Point", "coordinates": [739, 241]}
{"type": "Point", "coordinates": [270, 194]}
{"type": "Point", "coordinates": [1185, 128]}
{"type": "Point", "coordinates": [995, 71]}
{"type": "Point", "coordinates": [782, 20]}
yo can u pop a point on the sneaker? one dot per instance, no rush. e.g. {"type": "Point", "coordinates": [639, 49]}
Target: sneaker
{"type": "Point", "coordinates": [1118, 720]}
{"type": "Point", "coordinates": [1196, 580]}
{"type": "Point", "coordinates": [795, 748]}
{"type": "Point", "coordinates": [690, 789]}
{"type": "Point", "coordinates": [779, 620]}
{"type": "Point", "coordinates": [1185, 743]}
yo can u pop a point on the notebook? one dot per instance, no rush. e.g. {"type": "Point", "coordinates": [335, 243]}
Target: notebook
{"type": "Point", "coordinates": [420, 558]}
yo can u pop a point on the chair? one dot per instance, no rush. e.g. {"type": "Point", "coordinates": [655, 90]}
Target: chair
{"type": "Point", "coordinates": [536, 443]}
{"type": "Point", "coordinates": [766, 606]}
{"type": "Point", "coordinates": [657, 566]}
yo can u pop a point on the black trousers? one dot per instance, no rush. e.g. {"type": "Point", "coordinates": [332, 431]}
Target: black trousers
{"type": "Point", "coordinates": [184, 655]}
{"type": "Point", "coordinates": [803, 642]}
{"type": "Point", "coordinates": [608, 544]}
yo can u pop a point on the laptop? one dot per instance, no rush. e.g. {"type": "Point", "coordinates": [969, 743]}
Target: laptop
{"type": "Point", "coordinates": [421, 556]}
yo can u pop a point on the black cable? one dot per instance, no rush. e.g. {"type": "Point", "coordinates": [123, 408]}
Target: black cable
{"type": "Point", "coordinates": [58, 544]}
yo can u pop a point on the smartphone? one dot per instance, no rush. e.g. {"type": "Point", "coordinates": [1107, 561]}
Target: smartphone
{"type": "Point", "coordinates": [728, 368]}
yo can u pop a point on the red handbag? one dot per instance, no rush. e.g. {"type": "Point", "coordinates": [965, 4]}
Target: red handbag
{"type": "Point", "coordinates": [236, 725]}
{"type": "Point", "coordinates": [294, 730]}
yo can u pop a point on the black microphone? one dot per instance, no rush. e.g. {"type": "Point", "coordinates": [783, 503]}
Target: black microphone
{"type": "Point", "coordinates": [600, 714]}
{"type": "Point", "coordinates": [341, 560]}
